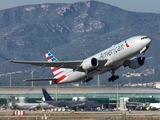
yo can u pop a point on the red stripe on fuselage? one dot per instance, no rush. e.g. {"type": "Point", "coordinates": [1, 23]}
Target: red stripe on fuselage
{"type": "Point", "coordinates": [58, 73]}
{"type": "Point", "coordinates": [59, 79]}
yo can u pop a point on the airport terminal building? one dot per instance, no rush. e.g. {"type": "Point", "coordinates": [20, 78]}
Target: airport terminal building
{"type": "Point", "coordinates": [106, 95]}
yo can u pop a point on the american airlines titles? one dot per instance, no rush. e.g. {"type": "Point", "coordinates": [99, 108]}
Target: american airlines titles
{"type": "Point", "coordinates": [112, 51]}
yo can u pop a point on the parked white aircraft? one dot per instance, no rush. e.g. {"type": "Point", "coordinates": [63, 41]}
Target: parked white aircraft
{"type": "Point", "coordinates": [154, 106]}
{"type": "Point", "coordinates": [107, 60]}
{"type": "Point", "coordinates": [16, 105]}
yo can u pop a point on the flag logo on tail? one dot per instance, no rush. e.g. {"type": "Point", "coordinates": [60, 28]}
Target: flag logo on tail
{"type": "Point", "coordinates": [58, 73]}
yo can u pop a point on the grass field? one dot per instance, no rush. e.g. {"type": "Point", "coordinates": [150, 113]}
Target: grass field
{"type": "Point", "coordinates": [80, 118]}
{"type": "Point", "coordinates": [77, 116]}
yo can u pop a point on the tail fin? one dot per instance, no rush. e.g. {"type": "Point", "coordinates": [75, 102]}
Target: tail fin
{"type": "Point", "coordinates": [58, 73]}
{"type": "Point", "coordinates": [46, 95]}
{"type": "Point", "coordinates": [14, 101]}
{"type": "Point", "coordinates": [50, 57]}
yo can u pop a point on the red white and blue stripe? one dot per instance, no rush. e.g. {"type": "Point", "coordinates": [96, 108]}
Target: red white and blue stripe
{"type": "Point", "coordinates": [58, 73]}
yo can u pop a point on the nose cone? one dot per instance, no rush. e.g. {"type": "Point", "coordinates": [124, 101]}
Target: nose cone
{"type": "Point", "coordinates": [148, 42]}
{"type": "Point", "coordinates": [145, 41]}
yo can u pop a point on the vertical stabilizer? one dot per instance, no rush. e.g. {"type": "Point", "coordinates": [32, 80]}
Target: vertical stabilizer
{"type": "Point", "coordinates": [46, 95]}
{"type": "Point", "coordinates": [58, 73]}
{"type": "Point", "coordinates": [14, 101]}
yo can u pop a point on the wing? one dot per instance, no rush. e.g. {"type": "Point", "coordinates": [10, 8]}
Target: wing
{"type": "Point", "coordinates": [43, 79]}
{"type": "Point", "coordinates": [75, 65]}
{"type": "Point", "coordinates": [78, 105]}
{"type": "Point", "coordinates": [34, 107]}
{"type": "Point", "coordinates": [60, 64]}
{"type": "Point", "coordinates": [126, 63]}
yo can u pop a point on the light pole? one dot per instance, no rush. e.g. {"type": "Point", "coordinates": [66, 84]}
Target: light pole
{"type": "Point", "coordinates": [98, 81]}
{"type": "Point", "coordinates": [117, 86]}
{"type": "Point", "coordinates": [10, 78]}
{"type": "Point", "coordinates": [56, 92]}
{"type": "Point", "coordinates": [129, 82]}
{"type": "Point", "coordinates": [32, 75]}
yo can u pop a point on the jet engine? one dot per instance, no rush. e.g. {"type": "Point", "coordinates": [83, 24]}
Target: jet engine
{"type": "Point", "coordinates": [137, 62]}
{"type": "Point", "coordinates": [89, 64]}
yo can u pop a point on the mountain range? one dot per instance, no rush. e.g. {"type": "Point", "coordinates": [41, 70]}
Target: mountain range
{"type": "Point", "coordinates": [72, 32]}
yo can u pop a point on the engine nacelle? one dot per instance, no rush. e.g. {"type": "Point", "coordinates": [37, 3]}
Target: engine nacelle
{"type": "Point", "coordinates": [89, 64]}
{"type": "Point", "coordinates": [137, 62]}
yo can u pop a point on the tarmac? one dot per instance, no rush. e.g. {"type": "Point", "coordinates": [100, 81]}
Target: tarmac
{"type": "Point", "coordinates": [9, 113]}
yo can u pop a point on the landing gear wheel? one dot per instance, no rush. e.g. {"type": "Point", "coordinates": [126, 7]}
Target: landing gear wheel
{"type": "Point", "coordinates": [87, 79]}
{"type": "Point", "coordinates": [117, 76]}
{"type": "Point", "coordinates": [109, 79]}
{"type": "Point", "coordinates": [113, 78]}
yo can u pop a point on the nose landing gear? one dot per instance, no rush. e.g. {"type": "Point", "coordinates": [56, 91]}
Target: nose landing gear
{"type": "Point", "coordinates": [87, 79]}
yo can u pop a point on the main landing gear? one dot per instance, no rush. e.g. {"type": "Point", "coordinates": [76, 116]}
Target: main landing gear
{"type": "Point", "coordinates": [87, 79]}
{"type": "Point", "coordinates": [113, 77]}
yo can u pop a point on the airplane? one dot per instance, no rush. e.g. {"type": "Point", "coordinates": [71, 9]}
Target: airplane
{"type": "Point", "coordinates": [90, 105]}
{"type": "Point", "coordinates": [30, 106]}
{"type": "Point", "coordinates": [74, 105]}
{"type": "Point", "coordinates": [154, 106]}
{"type": "Point", "coordinates": [111, 59]}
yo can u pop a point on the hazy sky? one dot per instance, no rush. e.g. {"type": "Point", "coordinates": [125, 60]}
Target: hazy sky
{"type": "Point", "coordinates": [152, 6]}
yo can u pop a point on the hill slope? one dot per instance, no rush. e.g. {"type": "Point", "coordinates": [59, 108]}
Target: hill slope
{"type": "Point", "coordinates": [71, 31]}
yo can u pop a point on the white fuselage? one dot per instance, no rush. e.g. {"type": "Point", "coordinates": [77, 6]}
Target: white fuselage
{"type": "Point", "coordinates": [155, 105]}
{"type": "Point", "coordinates": [115, 56]}
{"type": "Point", "coordinates": [32, 105]}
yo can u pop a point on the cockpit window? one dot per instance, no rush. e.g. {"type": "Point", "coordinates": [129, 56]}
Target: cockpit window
{"type": "Point", "coordinates": [143, 38]}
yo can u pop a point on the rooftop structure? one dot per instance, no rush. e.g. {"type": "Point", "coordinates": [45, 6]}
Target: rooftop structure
{"type": "Point", "coordinates": [102, 94]}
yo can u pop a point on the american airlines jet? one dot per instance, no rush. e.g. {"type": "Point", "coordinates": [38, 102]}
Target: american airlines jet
{"type": "Point", "coordinates": [121, 54]}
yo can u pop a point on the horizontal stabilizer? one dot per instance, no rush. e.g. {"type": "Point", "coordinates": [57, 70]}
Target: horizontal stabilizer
{"type": "Point", "coordinates": [42, 79]}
